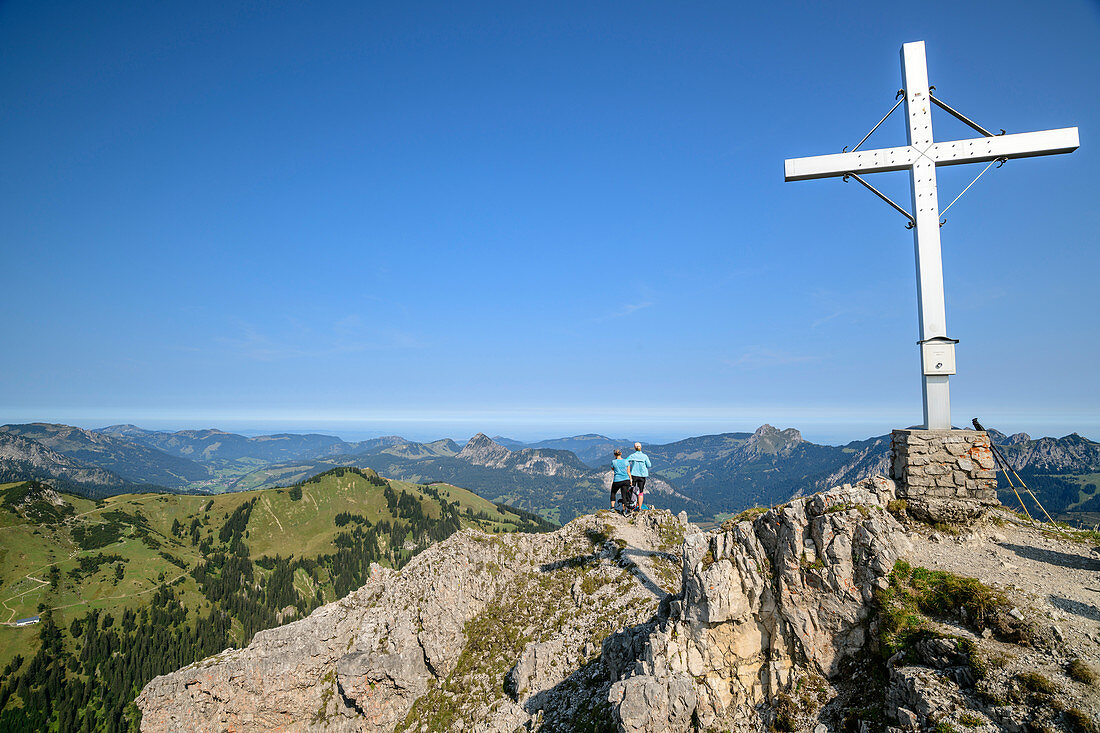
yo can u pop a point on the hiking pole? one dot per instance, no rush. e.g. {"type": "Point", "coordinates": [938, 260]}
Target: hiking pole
{"type": "Point", "coordinates": [1000, 465]}
{"type": "Point", "coordinates": [1033, 496]}
{"type": "Point", "coordinates": [1014, 491]}
{"type": "Point", "coordinates": [1000, 457]}
{"type": "Point", "coordinates": [1027, 489]}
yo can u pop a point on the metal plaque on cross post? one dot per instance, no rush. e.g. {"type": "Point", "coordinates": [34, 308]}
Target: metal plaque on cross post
{"type": "Point", "coordinates": [921, 157]}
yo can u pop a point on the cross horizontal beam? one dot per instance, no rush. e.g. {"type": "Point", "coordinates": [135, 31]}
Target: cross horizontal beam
{"type": "Point", "coordinates": [1020, 145]}
{"type": "Point", "coordinates": [837, 164]}
{"type": "Point", "coordinates": [955, 152]}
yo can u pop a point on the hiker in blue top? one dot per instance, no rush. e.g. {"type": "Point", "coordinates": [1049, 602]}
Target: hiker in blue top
{"type": "Point", "coordinates": [620, 482]}
{"type": "Point", "coordinates": [639, 471]}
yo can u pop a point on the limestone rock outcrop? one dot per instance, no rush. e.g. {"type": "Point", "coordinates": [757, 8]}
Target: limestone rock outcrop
{"type": "Point", "coordinates": [765, 602]}
{"type": "Point", "coordinates": [355, 664]}
{"type": "Point", "coordinates": [439, 626]}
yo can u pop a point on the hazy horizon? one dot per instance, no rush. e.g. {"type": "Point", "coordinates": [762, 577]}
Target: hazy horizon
{"type": "Point", "coordinates": [460, 429]}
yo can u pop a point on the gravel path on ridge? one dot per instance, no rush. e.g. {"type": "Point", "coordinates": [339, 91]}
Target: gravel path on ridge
{"type": "Point", "coordinates": [1062, 576]}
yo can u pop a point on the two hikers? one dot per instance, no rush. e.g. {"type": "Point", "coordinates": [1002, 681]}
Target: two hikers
{"type": "Point", "coordinates": [629, 478]}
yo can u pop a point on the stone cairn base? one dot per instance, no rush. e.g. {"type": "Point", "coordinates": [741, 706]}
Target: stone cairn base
{"type": "Point", "coordinates": [944, 475]}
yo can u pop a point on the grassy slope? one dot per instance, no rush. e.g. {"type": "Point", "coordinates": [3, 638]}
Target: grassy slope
{"type": "Point", "coordinates": [278, 526]}
{"type": "Point", "coordinates": [1088, 483]}
{"type": "Point", "coordinates": [557, 501]}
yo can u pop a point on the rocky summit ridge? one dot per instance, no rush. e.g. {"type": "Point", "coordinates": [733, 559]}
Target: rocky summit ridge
{"type": "Point", "coordinates": [481, 450]}
{"type": "Point", "coordinates": [832, 612]}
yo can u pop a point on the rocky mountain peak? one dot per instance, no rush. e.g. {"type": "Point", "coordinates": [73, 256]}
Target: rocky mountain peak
{"type": "Point", "coordinates": [770, 440]}
{"type": "Point", "coordinates": [481, 439]}
{"type": "Point", "coordinates": [484, 451]}
{"type": "Point", "coordinates": [481, 450]}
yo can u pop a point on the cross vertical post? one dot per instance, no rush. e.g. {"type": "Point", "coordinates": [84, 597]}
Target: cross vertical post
{"type": "Point", "coordinates": [931, 308]}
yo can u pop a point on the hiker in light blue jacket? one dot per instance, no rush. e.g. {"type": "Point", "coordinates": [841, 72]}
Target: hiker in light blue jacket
{"type": "Point", "coordinates": [620, 480]}
{"type": "Point", "coordinates": [639, 471]}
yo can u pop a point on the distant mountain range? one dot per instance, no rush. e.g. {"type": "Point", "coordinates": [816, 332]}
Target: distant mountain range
{"type": "Point", "coordinates": [591, 448]}
{"type": "Point", "coordinates": [218, 445]}
{"type": "Point", "coordinates": [133, 460]}
{"type": "Point", "coordinates": [554, 483]}
{"type": "Point", "coordinates": [706, 475]}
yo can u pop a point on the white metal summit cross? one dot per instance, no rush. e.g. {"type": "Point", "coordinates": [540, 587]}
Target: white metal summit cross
{"type": "Point", "coordinates": [920, 157]}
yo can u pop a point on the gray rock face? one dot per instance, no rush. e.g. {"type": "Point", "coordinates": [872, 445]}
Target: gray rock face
{"type": "Point", "coordinates": [534, 665]}
{"type": "Point", "coordinates": [764, 603]}
{"type": "Point", "coordinates": [357, 664]}
{"type": "Point", "coordinates": [649, 704]}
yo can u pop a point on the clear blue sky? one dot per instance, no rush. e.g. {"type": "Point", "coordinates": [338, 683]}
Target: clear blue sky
{"type": "Point", "coordinates": [536, 218]}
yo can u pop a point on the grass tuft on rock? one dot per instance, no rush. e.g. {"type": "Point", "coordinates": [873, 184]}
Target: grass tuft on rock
{"type": "Point", "coordinates": [786, 714]}
{"type": "Point", "coordinates": [970, 720]}
{"type": "Point", "coordinates": [916, 595]}
{"type": "Point", "coordinates": [672, 536]}
{"type": "Point", "coordinates": [1037, 683]}
{"type": "Point", "coordinates": [600, 536]}
{"type": "Point", "coordinates": [1081, 722]}
{"type": "Point", "coordinates": [897, 506]}
{"type": "Point", "coordinates": [746, 516]}
{"type": "Point", "coordinates": [846, 506]}
{"type": "Point", "coordinates": [938, 593]}
{"type": "Point", "coordinates": [1081, 672]}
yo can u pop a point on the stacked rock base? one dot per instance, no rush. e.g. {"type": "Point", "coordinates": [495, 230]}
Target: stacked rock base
{"type": "Point", "coordinates": [944, 475]}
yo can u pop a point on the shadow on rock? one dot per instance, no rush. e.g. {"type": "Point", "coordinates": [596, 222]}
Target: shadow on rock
{"type": "Point", "coordinates": [627, 561]}
{"type": "Point", "coordinates": [1053, 557]}
{"type": "Point", "coordinates": [578, 561]}
{"type": "Point", "coordinates": [1084, 610]}
{"type": "Point", "coordinates": [579, 702]}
